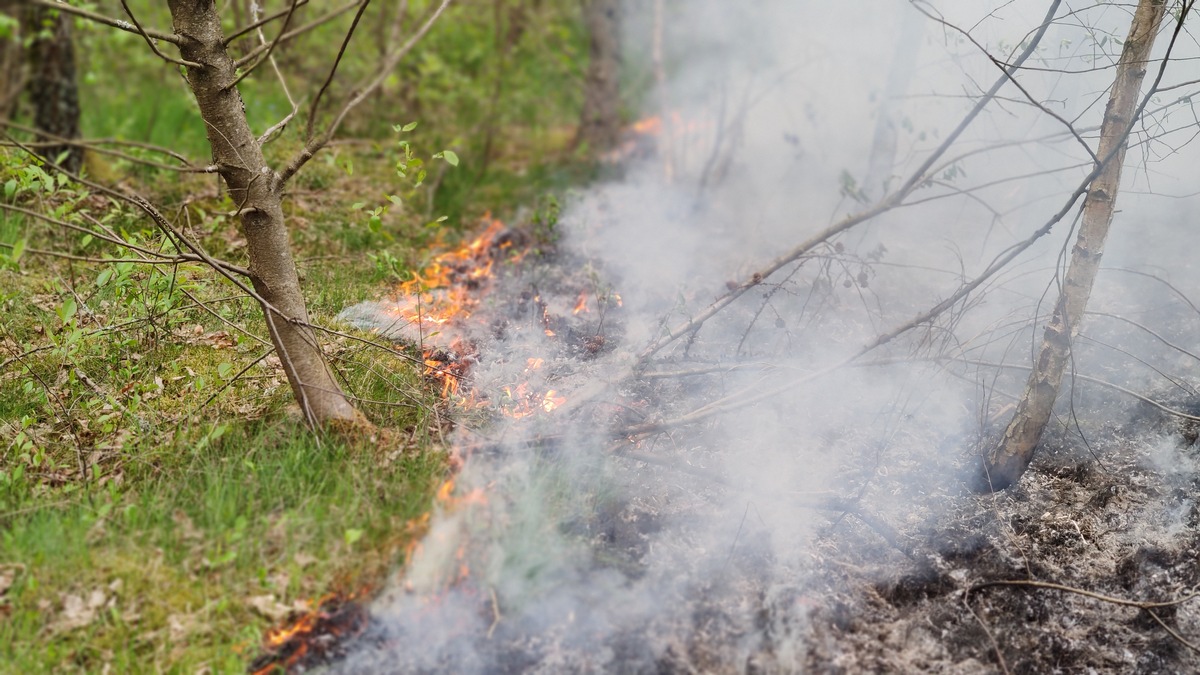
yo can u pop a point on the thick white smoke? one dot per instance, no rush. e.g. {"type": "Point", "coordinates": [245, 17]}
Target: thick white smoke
{"type": "Point", "coordinates": [784, 117]}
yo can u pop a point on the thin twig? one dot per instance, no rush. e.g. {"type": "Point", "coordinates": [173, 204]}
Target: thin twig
{"type": "Point", "coordinates": [153, 46]}
{"type": "Point", "coordinates": [1031, 583]}
{"type": "Point", "coordinates": [262, 22]}
{"type": "Point", "coordinates": [316, 103]}
{"type": "Point", "coordinates": [101, 19]}
{"type": "Point", "coordinates": [270, 48]}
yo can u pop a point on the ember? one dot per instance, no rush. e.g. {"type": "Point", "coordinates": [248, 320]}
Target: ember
{"type": "Point", "coordinates": [318, 637]}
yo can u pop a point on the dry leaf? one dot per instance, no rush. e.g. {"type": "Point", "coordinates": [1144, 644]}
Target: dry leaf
{"type": "Point", "coordinates": [187, 529]}
{"type": "Point", "coordinates": [8, 575]}
{"type": "Point", "coordinates": [269, 606]}
{"type": "Point", "coordinates": [77, 613]}
{"type": "Point", "coordinates": [180, 626]}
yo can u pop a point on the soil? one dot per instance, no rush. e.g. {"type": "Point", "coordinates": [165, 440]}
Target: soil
{"type": "Point", "coordinates": [1122, 526]}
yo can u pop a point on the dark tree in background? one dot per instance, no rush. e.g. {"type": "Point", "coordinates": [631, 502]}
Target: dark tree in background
{"type": "Point", "coordinates": [53, 89]}
{"type": "Point", "coordinates": [12, 72]}
{"type": "Point", "coordinates": [600, 122]}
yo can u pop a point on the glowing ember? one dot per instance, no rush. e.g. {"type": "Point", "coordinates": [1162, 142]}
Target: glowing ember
{"type": "Point", "coordinates": [650, 125]}
{"type": "Point", "coordinates": [316, 637]}
{"type": "Point", "coordinates": [581, 304]}
{"type": "Point", "coordinates": [552, 400]}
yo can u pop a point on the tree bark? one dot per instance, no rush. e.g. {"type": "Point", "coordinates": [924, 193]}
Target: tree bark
{"type": "Point", "coordinates": [600, 121]}
{"type": "Point", "coordinates": [1007, 461]}
{"type": "Point", "coordinates": [254, 187]}
{"type": "Point", "coordinates": [53, 87]}
{"type": "Point", "coordinates": [12, 60]}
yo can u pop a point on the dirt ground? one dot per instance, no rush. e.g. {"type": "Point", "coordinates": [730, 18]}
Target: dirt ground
{"type": "Point", "coordinates": [1123, 526]}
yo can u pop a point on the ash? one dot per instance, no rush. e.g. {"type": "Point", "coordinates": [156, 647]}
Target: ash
{"type": "Point", "coordinates": [826, 529]}
{"type": "Point", "coordinates": [751, 498]}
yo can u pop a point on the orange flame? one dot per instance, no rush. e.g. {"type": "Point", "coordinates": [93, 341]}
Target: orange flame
{"type": "Point", "coordinates": [333, 615]}
{"type": "Point", "coordinates": [581, 304]}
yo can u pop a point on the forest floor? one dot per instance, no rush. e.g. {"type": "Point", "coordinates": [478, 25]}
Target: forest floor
{"type": "Point", "coordinates": [1087, 565]}
{"type": "Point", "coordinates": [161, 503]}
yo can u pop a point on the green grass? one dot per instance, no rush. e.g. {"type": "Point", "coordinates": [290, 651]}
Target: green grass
{"type": "Point", "coordinates": [263, 510]}
{"type": "Point", "coordinates": [199, 494]}
{"type": "Point", "coordinates": [135, 470]}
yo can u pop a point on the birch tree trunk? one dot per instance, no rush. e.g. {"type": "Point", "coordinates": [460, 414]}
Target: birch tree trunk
{"type": "Point", "coordinates": [1007, 461]}
{"type": "Point", "coordinates": [257, 191]}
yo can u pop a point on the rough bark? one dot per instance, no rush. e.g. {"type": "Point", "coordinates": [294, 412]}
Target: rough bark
{"type": "Point", "coordinates": [253, 186]}
{"type": "Point", "coordinates": [12, 62]}
{"type": "Point", "coordinates": [600, 121]}
{"type": "Point", "coordinates": [1007, 461]}
{"type": "Point", "coordinates": [53, 87]}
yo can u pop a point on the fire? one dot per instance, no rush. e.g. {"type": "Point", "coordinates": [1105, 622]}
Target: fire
{"type": "Point", "coordinates": [552, 400]}
{"type": "Point", "coordinates": [446, 290]}
{"type": "Point", "coordinates": [581, 304]}
{"type": "Point", "coordinates": [314, 637]}
{"type": "Point", "coordinates": [648, 125]}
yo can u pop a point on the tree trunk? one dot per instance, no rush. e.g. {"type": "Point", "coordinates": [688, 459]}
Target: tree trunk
{"type": "Point", "coordinates": [253, 187]}
{"type": "Point", "coordinates": [52, 84]}
{"type": "Point", "coordinates": [882, 159]}
{"type": "Point", "coordinates": [1008, 460]}
{"type": "Point", "coordinates": [12, 61]}
{"type": "Point", "coordinates": [600, 122]}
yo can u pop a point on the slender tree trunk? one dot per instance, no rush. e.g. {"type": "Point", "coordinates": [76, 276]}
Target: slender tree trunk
{"type": "Point", "coordinates": [258, 195]}
{"type": "Point", "coordinates": [600, 122]}
{"type": "Point", "coordinates": [886, 138]}
{"type": "Point", "coordinates": [53, 87]}
{"type": "Point", "coordinates": [1008, 460]}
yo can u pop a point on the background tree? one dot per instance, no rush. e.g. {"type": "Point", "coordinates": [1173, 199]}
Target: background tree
{"type": "Point", "coordinates": [600, 120]}
{"type": "Point", "coordinates": [53, 85]}
{"type": "Point", "coordinates": [12, 72]}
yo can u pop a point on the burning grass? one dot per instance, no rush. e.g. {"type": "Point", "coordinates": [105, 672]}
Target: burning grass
{"type": "Point", "coordinates": [315, 637]}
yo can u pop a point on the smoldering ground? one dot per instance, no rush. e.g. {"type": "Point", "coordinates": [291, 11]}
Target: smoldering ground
{"type": "Point", "coordinates": [733, 502]}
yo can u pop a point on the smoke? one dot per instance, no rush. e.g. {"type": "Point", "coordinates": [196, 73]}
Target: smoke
{"type": "Point", "coordinates": [691, 548]}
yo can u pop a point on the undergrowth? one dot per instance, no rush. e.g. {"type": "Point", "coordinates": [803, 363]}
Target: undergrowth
{"type": "Point", "coordinates": [161, 503]}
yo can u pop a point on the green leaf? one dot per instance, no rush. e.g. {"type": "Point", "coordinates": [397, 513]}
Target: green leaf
{"type": "Point", "coordinates": [67, 311]}
{"type": "Point", "coordinates": [374, 223]}
{"type": "Point", "coordinates": [224, 369]}
{"type": "Point", "coordinates": [395, 200]}
{"type": "Point", "coordinates": [10, 188]}
{"type": "Point", "coordinates": [409, 127]}
{"type": "Point", "coordinates": [103, 277]}
{"type": "Point", "coordinates": [87, 239]}
{"type": "Point", "coordinates": [357, 205]}
{"type": "Point", "coordinates": [17, 249]}
{"type": "Point", "coordinates": [451, 157]}
{"type": "Point", "coordinates": [352, 535]}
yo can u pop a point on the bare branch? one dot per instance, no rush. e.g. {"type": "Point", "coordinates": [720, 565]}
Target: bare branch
{"type": "Point", "coordinates": [315, 23]}
{"type": "Point", "coordinates": [269, 48]}
{"type": "Point", "coordinates": [262, 22]}
{"type": "Point", "coordinates": [150, 41]}
{"type": "Point", "coordinates": [389, 63]}
{"type": "Point", "coordinates": [312, 109]}
{"type": "Point", "coordinates": [101, 19]}
{"type": "Point", "coordinates": [96, 146]}
{"type": "Point", "coordinates": [887, 203]}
